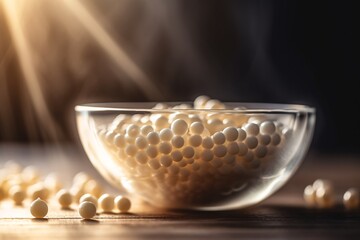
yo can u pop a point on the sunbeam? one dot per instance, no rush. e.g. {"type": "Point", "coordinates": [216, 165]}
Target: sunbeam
{"type": "Point", "coordinates": [32, 81]}
{"type": "Point", "coordinates": [116, 53]}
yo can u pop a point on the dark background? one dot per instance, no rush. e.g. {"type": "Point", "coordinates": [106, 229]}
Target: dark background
{"type": "Point", "coordinates": [252, 51]}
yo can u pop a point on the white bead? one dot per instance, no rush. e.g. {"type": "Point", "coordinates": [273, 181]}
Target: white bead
{"type": "Point", "coordinates": [207, 143]}
{"type": "Point", "coordinates": [207, 155]}
{"type": "Point", "coordinates": [166, 160]}
{"type": "Point", "coordinates": [243, 149]}
{"type": "Point", "coordinates": [218, 138]}
{"type": "Point", "coordinates": [152, 151]}
{"type": "Point", "coordinates": [252, 129]}
{"type": "Point", "coordinates": [200, 101]}
{"type": "Point", "coordinates": [260, 151]}
{"type": "Point", "coordinates": [233, 148]}
{"type": "Point", "coordinates": [109, 136]}
{"type": "Point", "coordinates": [165, 147]}
{"type": "Point", "coordinates": [64, 198]}
{"type": "Point", "coordinates": [87, 210]}
{"type": "Point", "coordinates": [154, 163]}
{"type": "Point", "coordinates": [182, 106]}
{"type": "Point", "coordinates": [133, 130]}
{"type": "Point", "coordinates": [177, 141]}
{"type": "Point", "coordinates": [179, 127]}
{"type": "Point", "coordinates": [195, 140]}
{"type": "Point", "coordinates": [176, 155]}
{"type": "Point", "coordinates": [351, 199]}
{"type": "Point", "coordinates": [141, 142]}
{"type": "Point", "coordinates": [136, 118]}
{"type": "Point", "coordinates": [145, 120]}
{"type": "Point", "coordinates": [141, 157]}
{"type": "Point", "coordinates": [188, 152]}
{"type": "Point", "coordinates": [324, 197]}
{"type": "Point", "coordinates": [153, 138]}
{"type": "Point", "coordinates": [119, 140]}
{"type": "Point", "coordinates": [123, 204]}
{"type": "Point", "coordinates": [166, 134]}
{"type": "Point", "coordinates": [322, 183]}
{"type": "Point", "coordinates": [242, 134]}
{"type": "Point", "coordinates": [131, 150]}
{"type": "Point", "coordinates": [161, 122]}
{"type": "Point", "coordinates": [87, 197]}
{"type": "Point", "coordinates": [264, 139]}
{"type": "Point", "coordinates": [17, 194]}
{"type": "Point", "coordinates": [106, 202]}
{"type": "Point", "coordinates": [275, 139]}
{"type": "Point", "coordinates": [231, 133]}
{"type": "Point", "coordinates": [197, 128]}
{"type": "Point", "coordinates": [214, 104]}
{"type": "Point", "coordinates": [309, 195]}
{"type": "Point", "coordinates": [38, 208]}
{"type": "Point", "coordinates": [251, 142]}
{"type": "Point", "coordinates": [267, 127]}
{"type": "Point", "coordinates": [161, 106]}
{"type": "Point", "coordinates": [220, 150]}
{"type": "Point", "coordinates": [145, 130]}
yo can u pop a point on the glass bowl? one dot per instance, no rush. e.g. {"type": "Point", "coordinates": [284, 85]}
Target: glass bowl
{"type": "Point", "coordinates": [171, 155]}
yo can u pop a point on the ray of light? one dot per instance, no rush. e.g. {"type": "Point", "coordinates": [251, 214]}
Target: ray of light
{"type": "Point", "coordinates": [11, 10]}
{"type": "Point", "coordinates": [115, 52]}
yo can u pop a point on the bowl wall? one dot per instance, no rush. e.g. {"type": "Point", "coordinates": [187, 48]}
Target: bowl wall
{"type": "Point", "coordinates": [277, 138]}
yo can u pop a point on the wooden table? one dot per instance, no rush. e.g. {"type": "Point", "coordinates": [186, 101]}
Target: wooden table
{"type": "Point", "coordinates": [284, 215]}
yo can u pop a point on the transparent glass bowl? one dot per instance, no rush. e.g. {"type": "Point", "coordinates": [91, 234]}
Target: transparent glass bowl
{"type": "Point", "coordinates": [170, 171]}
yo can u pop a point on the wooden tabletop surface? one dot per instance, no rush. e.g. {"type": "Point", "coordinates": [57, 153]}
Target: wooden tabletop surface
{"type": "Point", "coordinates": [282, 216]}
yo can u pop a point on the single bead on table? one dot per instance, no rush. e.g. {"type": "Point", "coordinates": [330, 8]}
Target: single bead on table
{"type": "Point", "coordinates": [64, 198]}
{"type": "Point", "coordinates": [351, 199]}
{"type": "Point", "coordinates": [123, 204]}
{"type": "Point", "coordinates": [309, 195]}
{"type": "Point", "coordinates": [106, 202]}
{"type": "Point", "coordinates": [38, 208]}
{"type": "Point", "coordinates": [87, 210]}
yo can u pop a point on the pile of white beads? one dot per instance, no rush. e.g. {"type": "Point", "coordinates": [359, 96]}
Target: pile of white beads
{"type": "Point", "coordinates": [321, 194]}
{"type": "Point", "coordinates": [26, 184]}
{"type": "Point", "coordinates": [188, 154]}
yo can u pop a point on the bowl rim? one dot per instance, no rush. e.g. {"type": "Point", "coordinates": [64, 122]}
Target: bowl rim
{"type": "Point", "coordinates": [245, 107]}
